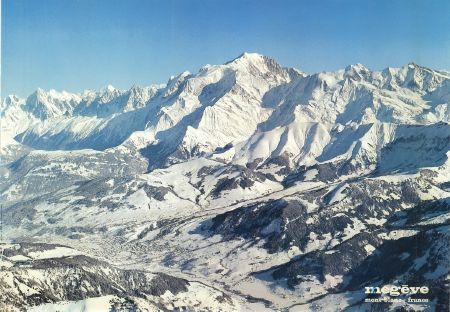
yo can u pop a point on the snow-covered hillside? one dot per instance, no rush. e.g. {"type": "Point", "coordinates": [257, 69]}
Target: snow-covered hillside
{"type": "Point", "coordinates": [263, 186]}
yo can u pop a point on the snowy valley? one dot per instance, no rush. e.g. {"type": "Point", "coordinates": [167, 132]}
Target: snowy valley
{"type": "Point", "coordinates": [246, 186]}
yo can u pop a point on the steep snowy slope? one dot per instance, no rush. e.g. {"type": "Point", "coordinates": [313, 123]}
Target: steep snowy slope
{"type": "Point", "coordinates": [351, 108]}
{"type": "Point", "coordinates": [251, 102]}
{"type": "Point", "coordinates": [186, 110]}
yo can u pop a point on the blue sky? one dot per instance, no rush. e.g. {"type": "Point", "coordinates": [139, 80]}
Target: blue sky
{"type": "Point", "coordinates": [87, 44]}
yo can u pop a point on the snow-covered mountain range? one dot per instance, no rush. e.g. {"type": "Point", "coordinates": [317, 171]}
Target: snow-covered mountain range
{"type": "Point", "coordinates": [272, 188]}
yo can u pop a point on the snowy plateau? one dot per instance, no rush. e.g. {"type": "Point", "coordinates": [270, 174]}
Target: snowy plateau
{"type": "Point", "coordinates": [246, 186]}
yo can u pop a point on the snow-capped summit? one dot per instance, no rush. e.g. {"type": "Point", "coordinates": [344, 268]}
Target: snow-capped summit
{"type": "Point", "coordinates": [10, 99]}
{"type": "Point", "coordinates": [44, 105]}
{"type": "Point", "coordinates": [250, 102]}
{"type": "Point", "coordinates": [356, 72]}
{"type": "Point", "coordinates": [109, 88]}
{"type": "Point", "coordinates": [254, 62]}
{"type": "Point", "coordinates": [175, 81]}
{"type": "Point", "coordinates": [247, 58]}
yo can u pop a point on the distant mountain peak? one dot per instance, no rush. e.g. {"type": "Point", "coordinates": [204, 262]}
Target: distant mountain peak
{"type": "Point", "coordinates": [250, 56]}
{"type": "Point", "coordinates": [108, 89]}
{"type": "Point", "coordinates": [204, 102]}
{"type": "Point", "coordinates": [356, 72]}
{"type": "Point", "coordinates": [413, 65]}
{"type": "Point", "coordinates": [247, 58]}
{"type": "Point", "coordinates": [356, 67]}
{"type": "Point", "coordinates": [12, 98]}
